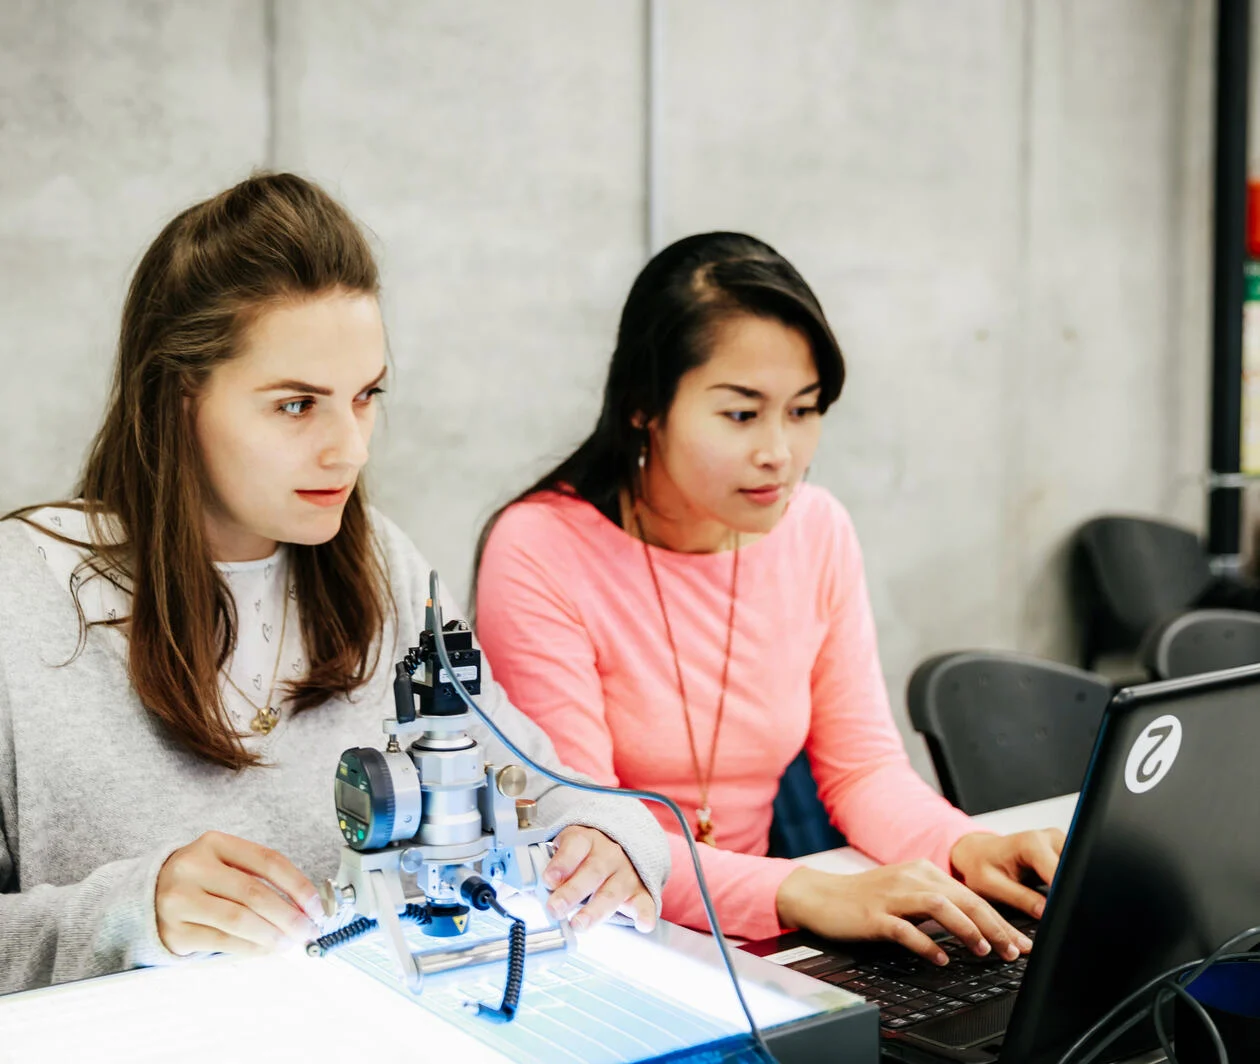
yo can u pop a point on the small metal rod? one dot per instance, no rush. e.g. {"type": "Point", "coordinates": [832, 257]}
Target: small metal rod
{"type": "Point", "coordinates": [546, 941]}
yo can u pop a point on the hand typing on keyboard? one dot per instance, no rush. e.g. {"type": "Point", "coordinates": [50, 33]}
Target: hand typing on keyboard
{"type": "Point", "coordinates": [884, 903]}
{"type": "Point", "coordinates": [995, 866]}
{"type": "Point", "coordinates": [909, 993]}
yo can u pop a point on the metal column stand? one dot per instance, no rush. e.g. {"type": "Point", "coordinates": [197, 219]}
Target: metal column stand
{"type": "Point", "coordinates": [1229, 254]}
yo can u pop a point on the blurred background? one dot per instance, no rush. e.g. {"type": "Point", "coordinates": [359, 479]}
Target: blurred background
{"type": "Point", "coordinates": [1004, 206]}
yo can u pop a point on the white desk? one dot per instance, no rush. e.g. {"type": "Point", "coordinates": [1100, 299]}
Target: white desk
{"type": "Point", "coordinates": [291, 1007]}
{"type": "Point", "coordinates": [1051, 813]}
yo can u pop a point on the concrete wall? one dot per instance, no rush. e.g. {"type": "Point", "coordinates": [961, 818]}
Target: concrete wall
{"type": "Point", "coordinates": [1003, 205]}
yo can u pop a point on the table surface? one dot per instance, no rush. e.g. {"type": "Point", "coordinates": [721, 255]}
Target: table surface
{"type": "Point", "coordinates": [1050, 813]}
{"type": "Point", "coordinates": [288, 1007]}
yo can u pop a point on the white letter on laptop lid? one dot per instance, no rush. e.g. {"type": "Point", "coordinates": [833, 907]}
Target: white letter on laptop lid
{"type": "Point", "coordinates": [1153, 754]}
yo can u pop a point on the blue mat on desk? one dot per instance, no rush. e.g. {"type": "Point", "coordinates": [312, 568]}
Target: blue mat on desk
{"type": "Point", "coordinates": [738, 1049]}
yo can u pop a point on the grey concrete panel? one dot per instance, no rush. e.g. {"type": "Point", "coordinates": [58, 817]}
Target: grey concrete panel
{"type": "Point", "coordinates": [878, 147]}
{"type": "Point", "coordinates": [114, 114]}
{"type": "Point", "coordinates": [991, 201]}
{"type": "Point", "coordinates": [496, 151]}
{"type": "Point", "coordinates": [1190, 341]}
{"type": "Point", "coordinates": [1101, 376]}
{"type": "Point", "coordinates": [1004, 206]}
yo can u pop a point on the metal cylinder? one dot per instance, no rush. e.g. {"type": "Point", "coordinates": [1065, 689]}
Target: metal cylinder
{"type": "Point", "coordinates": [525, 812]}
{"type": "Point", "coordinates": [451, 816]}
{"type": "Point", "coordinates": [450, 778]}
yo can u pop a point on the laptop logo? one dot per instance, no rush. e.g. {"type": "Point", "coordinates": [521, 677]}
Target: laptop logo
{"type": "Point", "coordinates": [1153, 754]}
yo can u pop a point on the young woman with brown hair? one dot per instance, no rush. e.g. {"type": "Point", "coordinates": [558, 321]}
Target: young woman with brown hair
{"type": "Point", "coordinates": [192, 640]}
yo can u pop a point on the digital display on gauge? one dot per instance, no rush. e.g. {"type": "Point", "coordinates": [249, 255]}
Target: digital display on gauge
{"type": "Point", "coordinates": [354, 801]}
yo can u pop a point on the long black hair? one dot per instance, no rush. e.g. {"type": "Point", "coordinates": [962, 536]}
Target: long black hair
{"type": "Point", "coordinates": [667, 325]}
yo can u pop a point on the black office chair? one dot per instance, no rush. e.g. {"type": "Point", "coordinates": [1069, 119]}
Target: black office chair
{"type": "Point", "coordinates": [1129, 574]}
{"type": "Point", "coordinates": [801, 824]}
{"type": "Point", "coordinates": [1202, 641]}
{"type": "Point", "coordinates": [1004, 729]}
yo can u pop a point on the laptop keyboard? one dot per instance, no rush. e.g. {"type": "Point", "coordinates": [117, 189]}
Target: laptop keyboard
{"type": "Point", "coordinates": [909, 990]}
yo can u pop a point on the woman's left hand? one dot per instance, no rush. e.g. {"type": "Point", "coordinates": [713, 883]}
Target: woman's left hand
{"type": "Point", "coordinates": [588, 864]}
{"type": "Point", "coordinates": [995, 866]}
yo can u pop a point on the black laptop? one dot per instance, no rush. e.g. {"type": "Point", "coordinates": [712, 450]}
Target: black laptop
{"type": "Point", "coordinates": [1162, 864]}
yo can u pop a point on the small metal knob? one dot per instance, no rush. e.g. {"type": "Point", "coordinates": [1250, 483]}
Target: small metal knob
{"type": "Point", "coordinates": [511, 781]}
{"type": "Point", "coordinates": [333, 897]}
{"type": "Point", "coordinates": [525, 812]}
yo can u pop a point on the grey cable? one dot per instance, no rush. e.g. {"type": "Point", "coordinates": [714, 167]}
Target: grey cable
{"type": "Point", "coordinates": [1196, 968]}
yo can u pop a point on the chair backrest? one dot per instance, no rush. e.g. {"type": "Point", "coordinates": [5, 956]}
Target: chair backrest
{"type": "Point", "coordinates": [801, 824]}
{"type": "Point", "coordinates": [1202, 641]}
{"type": "Point", "coordinates": [1003, 728]}
{"type": "Point", "coordinates": [1142, 570]}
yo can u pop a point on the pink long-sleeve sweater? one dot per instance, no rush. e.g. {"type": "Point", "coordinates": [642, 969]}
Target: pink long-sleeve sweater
{"type": "Point", "coordinates": [567, 615]}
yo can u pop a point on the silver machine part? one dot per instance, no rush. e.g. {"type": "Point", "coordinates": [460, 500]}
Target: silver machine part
{"type": "Point", "coordinates": [373, 884]}
{"type": "Point", "coordinates": [510, 781]}
{"type": "Point", "coordinates": [450, 779]}
{"type": "Point", "coordinates": [544, 941]}
{"type": "Point", "coordinates": [468, 817]}
{"type": "Point", "coordinates": [408, 799]}
{"type": "Point", "coordinates": [438, 741]}
{"type": "Point", "coordinates": [332, 897]}
{"type": "Point", "coordinates": [387, 890]}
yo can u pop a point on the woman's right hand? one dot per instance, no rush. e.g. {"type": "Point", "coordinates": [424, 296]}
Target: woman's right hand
{"type": "Point", "coordinates": [884, 903]}
{"type": "Point", "coordinates": [224, 894]}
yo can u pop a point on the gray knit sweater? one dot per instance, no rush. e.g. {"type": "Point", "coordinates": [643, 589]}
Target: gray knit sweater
{"type": "Point", "coordinates": [94, 796]}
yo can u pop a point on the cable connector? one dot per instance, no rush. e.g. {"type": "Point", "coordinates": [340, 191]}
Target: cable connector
{"type": "Point", "coordinates": [478, 893]}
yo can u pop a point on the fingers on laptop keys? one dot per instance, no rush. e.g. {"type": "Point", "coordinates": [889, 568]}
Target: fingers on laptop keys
{"type": "Point", "coordinates": [923, 890]}
{"type": "Point", "coordinates": [886, 903]}
{"type": "Point", "coordinates": [995, 866]}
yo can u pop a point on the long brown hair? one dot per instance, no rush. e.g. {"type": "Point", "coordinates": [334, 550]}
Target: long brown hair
{"type": "Point", "coordinates": [211, 271]}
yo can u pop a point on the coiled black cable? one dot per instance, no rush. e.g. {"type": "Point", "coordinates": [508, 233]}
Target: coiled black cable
{"type": "Point", "coordinates": [480, 895]}
{"type": "Point", "coordinates": [515, 977]}
{"type": "Point", "coordinates": [417, 914]}
{"type": "Point", "coordinates": [326, 943]}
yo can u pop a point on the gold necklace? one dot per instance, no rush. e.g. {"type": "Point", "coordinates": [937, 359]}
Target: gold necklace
{"type": "Point", "coordinates": [265, 716]}
{"type": "Point", "coordinates": [705, 830]}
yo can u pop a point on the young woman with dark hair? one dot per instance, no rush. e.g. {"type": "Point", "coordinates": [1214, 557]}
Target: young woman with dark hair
{"type": "Point", "coordinates": [681, 612]}
{"type": "Point", "coordinates": [192, 640]}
